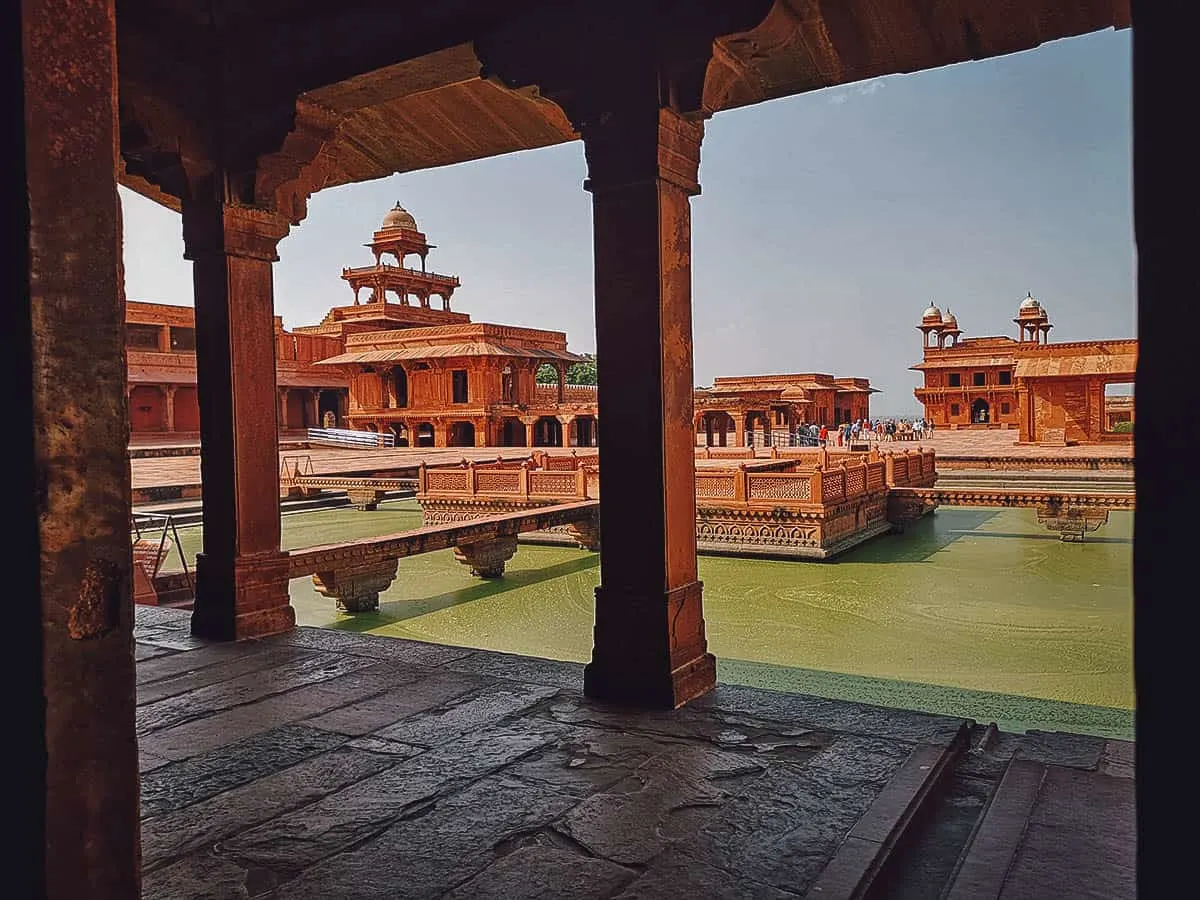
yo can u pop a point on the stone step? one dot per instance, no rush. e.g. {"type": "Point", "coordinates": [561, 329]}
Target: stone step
{"type": "Point", "coordinates": [992, 845]}
{"type": "Point", "coordinates": [862, 862]}
{"type": "Point", "coordinates": [1050, 832]}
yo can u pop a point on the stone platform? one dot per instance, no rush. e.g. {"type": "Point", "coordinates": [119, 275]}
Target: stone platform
{"type": "Point", "coordinates": [327, 764]}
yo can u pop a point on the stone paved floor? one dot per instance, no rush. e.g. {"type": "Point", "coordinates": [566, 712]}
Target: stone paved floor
{"type": "Point", "coordinates": [326, 764]}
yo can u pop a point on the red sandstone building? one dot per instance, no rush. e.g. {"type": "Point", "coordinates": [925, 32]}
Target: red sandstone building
{"type": "Point", "coordinates": [434, 378]}
{"type": "Point", "coordinates": [759, 409]}
{"type": "Point", "coordinates": [1051, 393]}
{"type": "Point", "coordinates": [394, 361]}
{"type": "Point", "coordinates": [160, 346]}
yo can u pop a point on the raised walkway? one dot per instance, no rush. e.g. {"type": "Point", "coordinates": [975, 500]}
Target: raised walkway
{"type": "Point", "coordinates": [327, 764]}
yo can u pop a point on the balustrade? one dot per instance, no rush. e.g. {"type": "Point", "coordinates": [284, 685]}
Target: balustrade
{"type": "Point", "coordinates": [525, 483]}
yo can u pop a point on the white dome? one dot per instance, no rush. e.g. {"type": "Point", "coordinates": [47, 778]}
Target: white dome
{"type": "Point", "coordinates": [399, 217]}
{"type": "Point", "coordinates": [1029, 303]}
{"type": "Point", "coordinates": [950, 319]}
{"type": "Point", "coordinates": [931, 314]}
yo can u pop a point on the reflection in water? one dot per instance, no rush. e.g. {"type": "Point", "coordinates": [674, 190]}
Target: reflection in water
{"type": "Point", "coordinates": [975, 612]}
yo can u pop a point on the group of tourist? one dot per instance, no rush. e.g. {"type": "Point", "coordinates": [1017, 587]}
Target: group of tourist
{"type": "Point", "coordinates": [864, 431]}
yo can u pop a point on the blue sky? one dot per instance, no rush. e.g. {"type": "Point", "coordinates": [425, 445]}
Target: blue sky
{"type": "Point", "coordinates": [827, 222]}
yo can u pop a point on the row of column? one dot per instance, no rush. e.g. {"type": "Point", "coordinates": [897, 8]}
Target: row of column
{"type": "Point", "coordinates": [649, 635]}
{"type": "Point", "coordinates": [649, 640]}
{"type": "Point", "coordinates": [489, 432]}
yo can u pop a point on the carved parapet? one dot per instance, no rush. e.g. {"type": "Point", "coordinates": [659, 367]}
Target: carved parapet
{"type": "Point", "coordinates": [356, 587]}
{"type": "Point", "coordinates": [487, 558]}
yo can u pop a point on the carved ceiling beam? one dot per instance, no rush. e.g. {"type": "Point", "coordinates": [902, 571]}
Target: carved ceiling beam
{"type": "Point", "coordinates": [594, 62]}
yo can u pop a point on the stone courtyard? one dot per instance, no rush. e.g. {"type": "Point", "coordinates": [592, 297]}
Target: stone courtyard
{"type": "Point", "coordinates": [322, 763]}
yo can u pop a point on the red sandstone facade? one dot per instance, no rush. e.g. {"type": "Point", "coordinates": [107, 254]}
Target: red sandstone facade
{"type": "Point", "coordinates": [160, 346]}
{"type": "Point", "coordinates": [393, 362]}
{"type": "Point", "coordinates": [1050, 393]}
{"type": "Point", "coordinates": [434, 378]}
{"type": "Point", "coordinates": [760, 409]}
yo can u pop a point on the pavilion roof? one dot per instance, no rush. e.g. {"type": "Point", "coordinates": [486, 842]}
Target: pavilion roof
{"type": "Point", "coordinates": [446, 351]}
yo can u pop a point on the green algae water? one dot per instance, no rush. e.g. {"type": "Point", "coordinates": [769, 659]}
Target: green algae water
{"type": "Point", "coordinates": [979, 613]}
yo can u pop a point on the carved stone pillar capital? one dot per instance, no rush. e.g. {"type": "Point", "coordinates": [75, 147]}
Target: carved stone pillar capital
{"type": "Point", "coordinates": [231, 229]}
{"type": "Point", "coordinates": [638, 145]}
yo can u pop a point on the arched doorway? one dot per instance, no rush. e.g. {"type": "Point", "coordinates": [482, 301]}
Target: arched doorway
{"type": "Point", "coordinates": [328, 402]}
{"type": "Point", "coordinates": [146, 410]}
{"type": "Point", "coordinates": [462, 434]}
{"type": "Point", "coordinates": [399, 433]}
{"type": "Point", "coordinates": [758, 429]}
{"type": "Point", "coordinates": [585, 434]}
{"type": "Point", "coordinates": [980, 412]}
{"type": "Point", "coordinates": [425, 435]}
{"type": "Point", "coordinates": [547, 432]}
{"type": "Point", "coordinates": [512, 433]}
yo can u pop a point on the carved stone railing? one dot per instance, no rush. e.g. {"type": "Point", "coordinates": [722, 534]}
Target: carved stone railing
{"type": "Point", "coordinates": [910, 468]}
{"type": "Point", "coordinates": [524, 484]}
{"type": "Point", "coordinates": [566, 461]}
{"type": "Point", "coordinates": [725, 453]}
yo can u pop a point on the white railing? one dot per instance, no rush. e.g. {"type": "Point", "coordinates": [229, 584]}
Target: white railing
{"type": "Point", "coordinates": [345, 437]}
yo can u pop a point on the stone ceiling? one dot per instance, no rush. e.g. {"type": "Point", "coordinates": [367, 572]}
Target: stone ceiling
{"type": "Point", "coordinates": [400, 104]}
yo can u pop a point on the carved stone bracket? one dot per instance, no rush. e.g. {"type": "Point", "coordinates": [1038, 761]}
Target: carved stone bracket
{"type": "Point", "coordinates": [487, 558]}
{"type": "Point", "coordinates": [356, 588]}
{"type": "Point", "coordinates": [586, 533]}
{"type": "Point", "coordinates": [365, 498]}
{"type": "Point", "coordinates": [231, 229]}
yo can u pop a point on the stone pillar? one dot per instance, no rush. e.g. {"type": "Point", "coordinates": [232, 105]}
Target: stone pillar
{"type": "Point", "coordinates": [73, 737]}
{"type": "Point", "coordinates": [483, 432]}
{"type": "Point", "coordinates": [739, 429]}
{"type": "Point", "coordinates": [529, 424]}
{"type": "Point", "coordinates": [441, 433]}
{"type": "Point", "coordinates": [281, 410]}
{"type": "Point", "coordinates": [565, 429]}
{"type": "Point", "coordinates": [650, 648]}
{"type": "Point", "coordinates": [241, 575]}
{"type": "Point", "coordinates": [314, 418]}
{"type": "Point", "coordinates": [169, 407]}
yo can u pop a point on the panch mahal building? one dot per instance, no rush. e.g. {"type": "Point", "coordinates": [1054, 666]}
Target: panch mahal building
{"type": "Point", "coordinates": [1052, 393]}
{"type": "Point", "coordinates": [397, 360]}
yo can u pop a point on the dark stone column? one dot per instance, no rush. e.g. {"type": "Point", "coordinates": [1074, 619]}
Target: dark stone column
{"type": "Point", "coordinates": [81, 483]}
{"type": "Point", "coordinates": [241, 575]}
{"type": "Point", "coordinates": [650, 648]}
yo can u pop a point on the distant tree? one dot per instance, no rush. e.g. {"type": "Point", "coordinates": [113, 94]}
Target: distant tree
{"type": "Point", "coordinates": [580, 373]}
{"type": "Point", "coordinates": [583, 372]}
